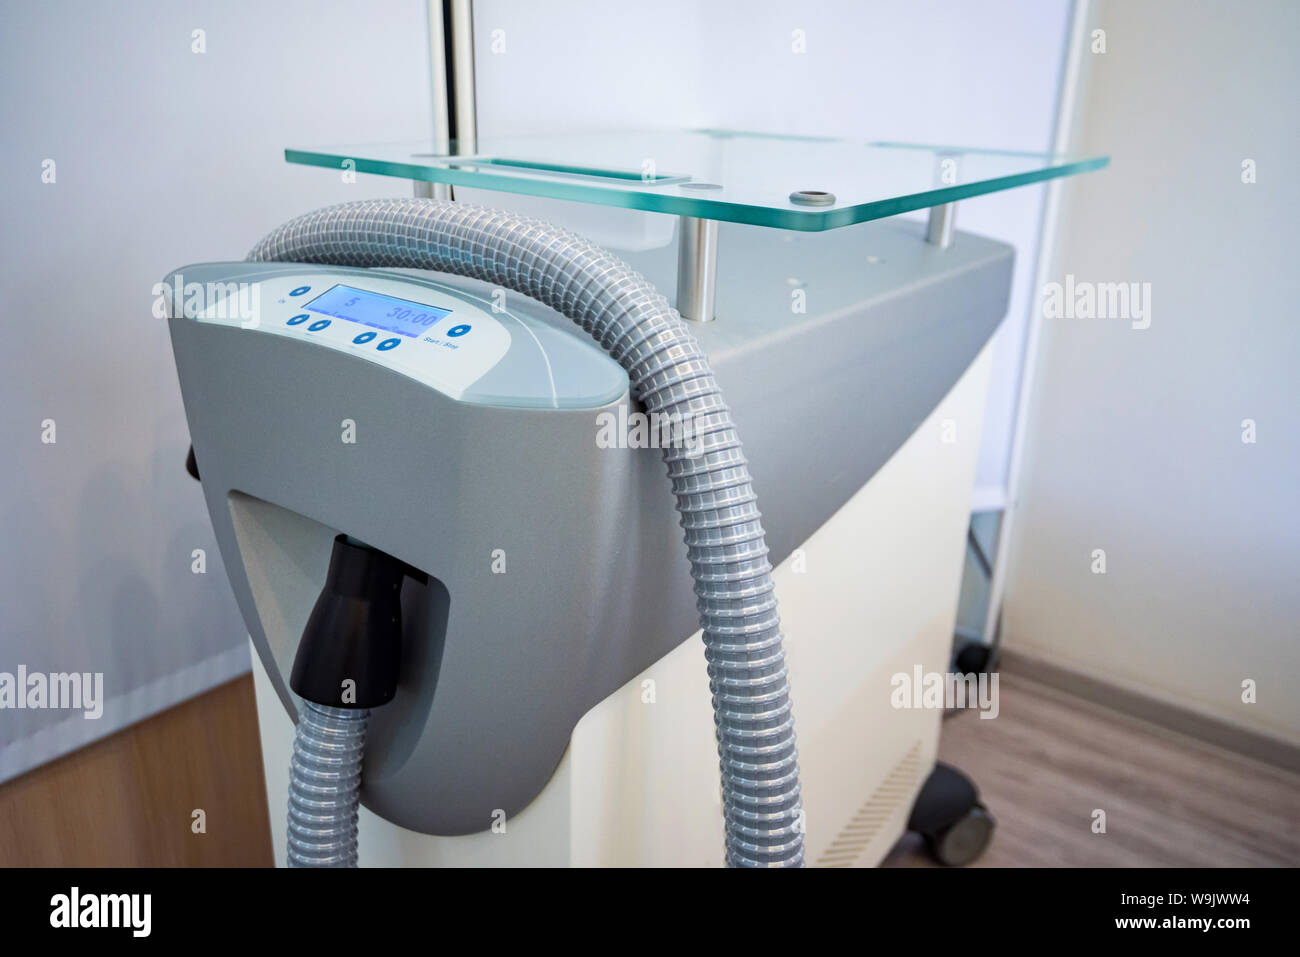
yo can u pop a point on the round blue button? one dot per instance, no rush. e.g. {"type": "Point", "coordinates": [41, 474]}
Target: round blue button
{"type": "Point", "coordinates": [300, 290]}
{"type": "Point", "coordinates": [318, 325]}
{"type": "Point", "coordinates": [299, 319]}
{"type": "Point", "coordinates": [364, 338]}
{"type": "Point", "coordinates": [388, 344]}
{"type": "Point", "coordinates": [457, 331]}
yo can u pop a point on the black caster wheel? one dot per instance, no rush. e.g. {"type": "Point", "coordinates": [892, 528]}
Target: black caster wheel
{"type": "Point", "coordinates": [948, 814]}
{"type": "Point", "coordinates": [974, 659]}
{"type": "Point", "coordinates": [961, 842]}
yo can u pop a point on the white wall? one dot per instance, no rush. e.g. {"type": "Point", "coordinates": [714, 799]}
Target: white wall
{"type": "Point", "coordinates": [1135, 440]}
{"type": "Point", "coordinates": [163, 157]}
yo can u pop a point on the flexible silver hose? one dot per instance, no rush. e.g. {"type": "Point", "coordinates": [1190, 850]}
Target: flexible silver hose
{"type": "Point", "coordinates": [324, 785]}
{"type": "Point", "coordinates": [670, 374]}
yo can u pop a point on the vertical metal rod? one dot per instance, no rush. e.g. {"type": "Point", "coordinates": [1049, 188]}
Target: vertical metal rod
{"type": "Point", "coordinates": [697, 268]}
{"type": "Point", "coordinates": [461, 50]}
{"type": "Point", "coordinates": [441, 101]}
{"type": "Point", "coordinates": [438, 78]}
{"type": "Point", "coordinates": [1069, 105]}
{"type": "Point", "coordinates": [941, 224]}
{"type": "Point", "coordinates": [451, 60]}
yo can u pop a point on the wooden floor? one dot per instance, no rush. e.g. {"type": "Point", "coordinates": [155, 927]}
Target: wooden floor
{"type": "Point", "coordinates": [129, 800]}
{"type": "Point", "coordinates": [1049, 759]}
{"type": "Point", "coordinates": [1043, 765]}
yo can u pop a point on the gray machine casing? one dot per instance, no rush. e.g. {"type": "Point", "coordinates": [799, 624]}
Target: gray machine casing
{"type": "Point", "coordinates": [500, 663]}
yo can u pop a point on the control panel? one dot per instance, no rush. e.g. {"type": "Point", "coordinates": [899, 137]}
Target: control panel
{"type": "Point", "coordinates": [433, 333]}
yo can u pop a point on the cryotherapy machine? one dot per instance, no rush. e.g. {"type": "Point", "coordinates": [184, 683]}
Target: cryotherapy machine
{"type": "Point", "coordinates": [515, 641]}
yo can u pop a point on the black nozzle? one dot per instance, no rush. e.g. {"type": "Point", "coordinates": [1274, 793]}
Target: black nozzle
{"type": "Point", "coordinates": [351, 649]}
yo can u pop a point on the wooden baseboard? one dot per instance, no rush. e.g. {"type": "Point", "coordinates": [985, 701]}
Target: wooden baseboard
{"type": "Point", "coordinates": [1162, 714]}
{"type": "Point", "coordinates": [129, 800]}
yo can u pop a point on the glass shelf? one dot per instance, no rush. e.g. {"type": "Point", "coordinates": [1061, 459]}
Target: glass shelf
{"type": "Point", "coordinates": [717, 174]}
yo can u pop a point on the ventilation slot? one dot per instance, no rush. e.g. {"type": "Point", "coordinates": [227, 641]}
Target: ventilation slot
{"type": "Point", "coordinates": [883, 804]}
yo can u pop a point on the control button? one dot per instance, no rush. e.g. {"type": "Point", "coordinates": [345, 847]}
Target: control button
{"type": "Point", "coordinates": [300, 290]}
{"type": "Point", "coordinates": [299, 319]}
{"type": "Point", "coordinates": [318, 325]}
{"type": "Point", "coordinates": [388, 344]}
{"type": "Point", "coordinates": [456, 332]}
{"type": "Point", "coordinates": [365, 337]}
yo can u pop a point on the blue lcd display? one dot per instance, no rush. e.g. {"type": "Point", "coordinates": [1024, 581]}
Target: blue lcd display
{"type": "Point", "coordinates": [402, 316]}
